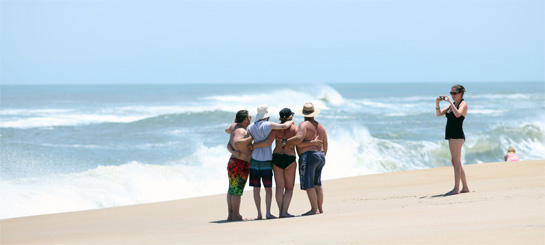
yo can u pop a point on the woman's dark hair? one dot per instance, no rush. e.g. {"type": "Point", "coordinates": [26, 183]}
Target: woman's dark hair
{"type": "Point", "coordinates": [241, 116]}
{"type": "Point", "coordinates": [460, 89]}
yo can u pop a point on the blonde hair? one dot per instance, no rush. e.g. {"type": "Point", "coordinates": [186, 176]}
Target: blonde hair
{"type": "Point", "coordinates": [511, 149]}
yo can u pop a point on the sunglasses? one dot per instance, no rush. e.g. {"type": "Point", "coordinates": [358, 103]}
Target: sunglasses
{"type": "Point", "coordinates": [453, 93]}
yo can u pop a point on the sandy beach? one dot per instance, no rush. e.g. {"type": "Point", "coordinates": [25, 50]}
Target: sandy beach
{"type": "Point", "coordinates": [506, 205]}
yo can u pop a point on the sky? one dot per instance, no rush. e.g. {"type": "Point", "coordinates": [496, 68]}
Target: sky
{"type": "Point", "coordinates": [179, 42]}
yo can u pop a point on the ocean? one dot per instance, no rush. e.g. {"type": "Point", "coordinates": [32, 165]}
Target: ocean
{"type": "Point", "coordinates": [78, 147]}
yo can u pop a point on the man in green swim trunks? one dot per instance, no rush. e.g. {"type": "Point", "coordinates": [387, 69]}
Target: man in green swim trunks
{"type": "Point", "coordinates": [239, 164]}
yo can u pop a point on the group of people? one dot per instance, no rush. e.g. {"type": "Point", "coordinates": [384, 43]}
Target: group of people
{"type": "Point", "coordinates": [252, 156]}
{"type": "Point", "coordinates": [309, 141]}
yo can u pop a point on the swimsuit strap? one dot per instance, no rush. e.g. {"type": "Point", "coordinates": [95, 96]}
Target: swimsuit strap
{"type": "Point", "coordinates": [458, 104]}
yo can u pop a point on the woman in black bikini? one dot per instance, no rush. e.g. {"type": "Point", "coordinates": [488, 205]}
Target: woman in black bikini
{"type": "Point", "coordinates": [455, 112]}
{"type": "Point", "coordinates": [283, 160]}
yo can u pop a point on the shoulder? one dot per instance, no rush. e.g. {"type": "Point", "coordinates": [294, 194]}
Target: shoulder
{"type": "Point", "coordinates": [463, 105]}
{"type": "Point", "coordinates": [239, 130]}
{"type": "Point", "coordinates": [293, 128]}
{"type": "Point", "coordinates": [268, 124]}
{"type": "Point", "coordinates": [321, 128]}
{"type": "Point", "coordinates": [304, 123]}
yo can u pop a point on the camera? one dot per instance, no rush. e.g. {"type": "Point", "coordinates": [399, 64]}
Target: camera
{"type": "Point", "coordinates": [442, 97]}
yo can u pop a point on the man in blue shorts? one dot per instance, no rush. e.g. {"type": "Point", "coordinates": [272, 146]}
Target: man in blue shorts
{"type": "Point", "coordinates": [311, 158]}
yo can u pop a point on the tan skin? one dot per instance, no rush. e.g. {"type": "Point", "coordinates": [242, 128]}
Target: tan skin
{"type": "Point", "coordinates": [238, 140]}
{"type": "Point", "coordinates": [455, 145]}
{"type": "Point", "coordinates": [307, 131]}
{"type": "Point", "coordinates": [284, 178]}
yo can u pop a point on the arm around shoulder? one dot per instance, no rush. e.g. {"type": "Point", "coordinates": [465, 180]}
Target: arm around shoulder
{"type": "Point", "coordinates": [230, 129]}
{"type": "Point", "coordinates": [266, 142]}
{"type": "Point", "coordinates": [281, 126]}
{"type": "Point", "coordinates": [299, 136]}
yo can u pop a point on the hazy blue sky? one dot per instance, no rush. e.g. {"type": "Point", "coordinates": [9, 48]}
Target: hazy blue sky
{"type": "Point", "coordinates": [82, 42]}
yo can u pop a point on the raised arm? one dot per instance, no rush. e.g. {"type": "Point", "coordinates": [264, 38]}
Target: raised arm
{"type": "Point", "coordinates": [281, 126]}
{"type": "Point", "coordinates": [230, 129]}
{"type": "Point", "coordinates": [266, 142]}
{"type": "Point", "coordinates": [240, 139]}
{"type": "Point", "coordinates": [438, 111]}
{"type": "Point", "coordinates": [461, 110]}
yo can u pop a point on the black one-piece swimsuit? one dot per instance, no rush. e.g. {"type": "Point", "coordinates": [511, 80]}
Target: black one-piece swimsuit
{"type": "Point", "coordinates": [454, 128]}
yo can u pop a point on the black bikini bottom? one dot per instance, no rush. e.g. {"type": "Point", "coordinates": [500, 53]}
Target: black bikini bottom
{"type": "Point", "coordinates": [282, 160]}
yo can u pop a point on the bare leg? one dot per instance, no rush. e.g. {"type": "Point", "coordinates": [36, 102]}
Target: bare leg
{"type": "Point", "coordinates": [279, 179]}
{"type": "Point", "coordinates": [289, 180]}
{"type": "Point", "coordinates": [229, 208]}
{"type": "Point", "coordinates": [257, 200]}
{"type": "Point", "coordinates": [455, 146]}
{"type": "Point", "coordinates": [465, 187]}
{"type": "Point", "coordinates": [235, 201]}
{"type": "Point", "coordinates": [320, 197]}
{"type": "Point", "coordinates": [268, 201]}
{"type": "Point", "coordinates": [313, 199]}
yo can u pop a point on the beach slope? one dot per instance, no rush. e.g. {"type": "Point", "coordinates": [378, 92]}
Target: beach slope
{"type": "Point", "coordinates": [506, 205]}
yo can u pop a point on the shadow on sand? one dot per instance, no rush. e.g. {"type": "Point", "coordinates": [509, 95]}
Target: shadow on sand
{"type": "Point", "coordinates": [224, 221]}
{"type": "Point", "coordinates": [434, 196]}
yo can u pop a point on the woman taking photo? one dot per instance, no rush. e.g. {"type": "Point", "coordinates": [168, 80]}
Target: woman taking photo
{"type": "Point", "coordinates": [455, 112]}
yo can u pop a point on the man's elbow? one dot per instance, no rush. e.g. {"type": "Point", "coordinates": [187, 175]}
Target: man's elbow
{"type": "Point", "coordinates": [297, 140]}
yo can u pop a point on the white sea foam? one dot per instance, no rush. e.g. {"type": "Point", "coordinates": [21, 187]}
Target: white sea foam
{"type": "Point", "coordinates": [202, 173]}
{"type": "Point", "coordinates": [322, 96]}
{"type": "Point", "coordinates": [66, 120]}
{"type": "Point", "coordinates": [351, 153]}
{"type": "Point", "coordinates": [276, 100]}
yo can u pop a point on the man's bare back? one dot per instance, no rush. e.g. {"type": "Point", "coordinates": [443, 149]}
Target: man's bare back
{"type": "Point", "coordinates": [309, 130]}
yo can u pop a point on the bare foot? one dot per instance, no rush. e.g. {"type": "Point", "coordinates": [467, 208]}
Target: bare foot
{"type": "Point", "coordinates": [465, 190]}
{"type": "Point", "coordinates": [453, 192]}
{"type": "Point", "coordinates": [311, 212]}
{"type": "Point", "coordinates": [270, 216]}
{"type": "Point", "coordinates": [239, 218]}
{"type": "Point", "coordinates": [287, 215]}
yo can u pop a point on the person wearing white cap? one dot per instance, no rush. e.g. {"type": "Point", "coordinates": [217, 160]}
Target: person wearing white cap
{"type": "Point", "coordinates": [261, 161]}
{"type": "Point", "coordinates": [311, 157]}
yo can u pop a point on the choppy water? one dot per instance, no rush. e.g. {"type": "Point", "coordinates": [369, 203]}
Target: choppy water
{"type": "Point", "coordinates": [66, 148]}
